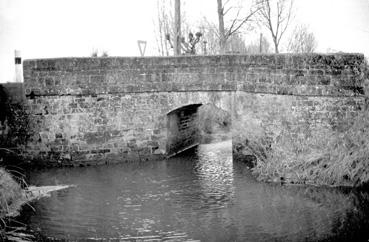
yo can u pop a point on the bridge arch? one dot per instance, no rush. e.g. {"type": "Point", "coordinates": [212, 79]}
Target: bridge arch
{"type": "Point", "coordinates": [189, 125]}
{"type": "Point", "coordinates": [182, 129]}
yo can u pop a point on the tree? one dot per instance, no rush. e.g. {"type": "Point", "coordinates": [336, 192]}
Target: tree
{"type": "Point", "coordinates": [237, 19]}
{"type": "Point", "coordinates": [235, 43]}
{"type": "Point", "coordinates": [210, 37]}
{"type": "Point", "coordinates": [164, 26]}
{"type": "Point", "coordinates": [302, 40]}
{"type": "Point", "coordinates": [275, 15]}
{"type": "Point", "coordinates": [189, 46]}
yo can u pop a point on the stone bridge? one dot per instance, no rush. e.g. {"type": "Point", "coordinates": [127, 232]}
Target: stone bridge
{"type": "Point", "coordinates": [92, 110]}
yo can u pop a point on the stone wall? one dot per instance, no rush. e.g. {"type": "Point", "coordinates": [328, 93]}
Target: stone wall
{"type": "Point", "coordinates": [107, 127]}
{"type": "Point", "coordinates": [98, 109]}
{"type": "Point", "coordinates": [305, 95]}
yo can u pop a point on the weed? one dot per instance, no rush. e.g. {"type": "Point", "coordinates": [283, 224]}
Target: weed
{"type": "Point", "coordinates": [323, 157]}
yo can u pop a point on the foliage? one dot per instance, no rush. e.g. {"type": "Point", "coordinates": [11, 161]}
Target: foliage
{"type": "Point", "coordinates": [10, 191]}
{"type": "Point", "coordinates": [10, 195]}
{"type": "Point", "coordinates": [321, 158]}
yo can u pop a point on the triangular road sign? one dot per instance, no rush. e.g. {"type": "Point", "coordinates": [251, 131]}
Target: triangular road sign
{"type": "Point", "coordinates": [142, 46]}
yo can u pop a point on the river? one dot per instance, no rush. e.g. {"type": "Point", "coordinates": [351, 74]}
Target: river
{"type": "Point", "coordinates": [201, 195]}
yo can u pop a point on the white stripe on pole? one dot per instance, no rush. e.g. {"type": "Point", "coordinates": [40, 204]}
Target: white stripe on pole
{"type": "Point", "coordinates": [18, 66]}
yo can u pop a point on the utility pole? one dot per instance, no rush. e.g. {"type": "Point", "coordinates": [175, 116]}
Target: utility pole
{"type": "Point", "coordinates": [177, 27]}
{"type": "Point", "coordinates": [222, 39]}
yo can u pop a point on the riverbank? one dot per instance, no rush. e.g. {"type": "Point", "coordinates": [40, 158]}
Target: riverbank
{"type": "Point", "coordinates": [13, 197]}
{"type": "Point", "coordinates": [11, 194]}
{"type": "Point", "coordinates": [321, 158]}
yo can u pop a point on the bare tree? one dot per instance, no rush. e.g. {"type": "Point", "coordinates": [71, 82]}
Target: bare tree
{"type": "Point", "coordinates": [275, 15]}
{"type": "Point", "coordinates": [237, 19]}
{"type": "Point", "coordinates": [235, 43]}
{"type": "Point", "coordinates": [302, 40]}
{"type": "Point", "coordinates": [210, 37]}
{"type": "Point", "coordinates": [164, 21]}
{"type": "Point", "coordinates": [164, 26]}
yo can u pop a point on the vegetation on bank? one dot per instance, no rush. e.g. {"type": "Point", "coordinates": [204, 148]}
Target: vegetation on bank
{"type": "Point", "coordinates": [322, 157]}
{"type": "Point", "coordinates": [10, 192]}
{"type": "Point", "coordinates": [11, 197]}
{"type": "Point", "coordinates": [340, 158]}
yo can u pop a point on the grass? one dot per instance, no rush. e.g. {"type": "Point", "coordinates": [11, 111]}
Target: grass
{"type": "Point", "coordinates": [340, 158]}
{"type": "Point", "coordinates": [10, 191]}
{"type": "Point", "coordinates": [11, 194]}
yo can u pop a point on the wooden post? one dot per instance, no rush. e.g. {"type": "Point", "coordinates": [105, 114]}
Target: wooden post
{"type": "Point", "coordinates": [177, 27]}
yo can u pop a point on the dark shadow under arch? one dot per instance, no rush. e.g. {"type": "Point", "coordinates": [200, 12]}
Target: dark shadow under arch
{"type": "Point", "coordinates": [182, 130]}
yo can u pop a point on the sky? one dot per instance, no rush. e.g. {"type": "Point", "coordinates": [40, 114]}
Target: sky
{"type": "Point", "coordinates": [66, 28]}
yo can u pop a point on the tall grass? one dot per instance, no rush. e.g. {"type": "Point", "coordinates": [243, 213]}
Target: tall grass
{"type": "Point", "coordinates": [10, 195]}
{"type": "Point", "coordinates": [324, 157]}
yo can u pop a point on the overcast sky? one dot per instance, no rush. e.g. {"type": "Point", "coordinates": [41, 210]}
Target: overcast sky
{"type": "Point", "coordinates": [62, 28]}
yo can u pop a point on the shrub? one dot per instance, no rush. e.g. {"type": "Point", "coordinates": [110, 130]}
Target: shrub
{"type": "Point", "coordinates": [10, 192]}
{"type": "Point", "coordinates": [337, 158]}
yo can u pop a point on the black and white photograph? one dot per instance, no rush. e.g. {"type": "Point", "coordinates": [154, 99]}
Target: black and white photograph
{"type": "Point", "coordinates": [184, 120]}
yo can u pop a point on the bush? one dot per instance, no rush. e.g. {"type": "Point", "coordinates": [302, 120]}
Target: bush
{"type": "Point", "coordinates": [336, 158]}
{"type": "Point", "coordinates": [10, 192]}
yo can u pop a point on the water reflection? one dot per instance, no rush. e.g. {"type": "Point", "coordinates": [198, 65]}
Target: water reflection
{"type": "Point", "coordinates": [197, 196]}
{"type": "Point", "coordinates": [215, 173]}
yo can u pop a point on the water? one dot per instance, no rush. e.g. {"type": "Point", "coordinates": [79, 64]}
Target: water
{"type": "Point", "coordinates": [200, 196]}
